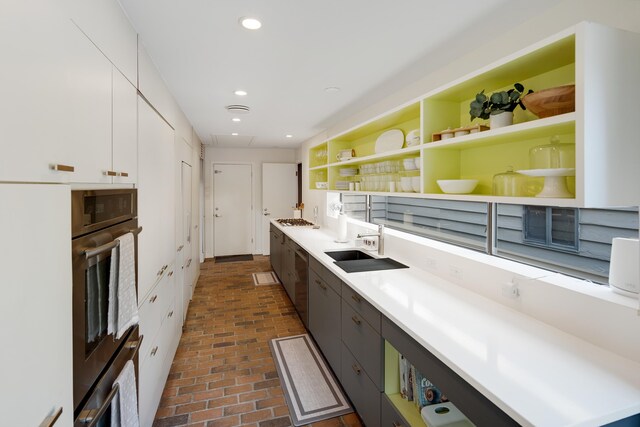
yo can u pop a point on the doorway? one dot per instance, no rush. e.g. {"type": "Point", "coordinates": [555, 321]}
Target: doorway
{"type": "Point", "coordinates": [279, 195]}
{"type": "Point", "coordinates": [232, 209]}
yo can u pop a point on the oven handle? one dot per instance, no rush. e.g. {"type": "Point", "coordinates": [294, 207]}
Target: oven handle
{"type": "Point", "coordinates": [90, 253]}
{"type": "Point", "coordinates": [92, 416]}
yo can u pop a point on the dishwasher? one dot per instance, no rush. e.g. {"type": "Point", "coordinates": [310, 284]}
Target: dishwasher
{"type": "Point", "coordinates": [301, 268]}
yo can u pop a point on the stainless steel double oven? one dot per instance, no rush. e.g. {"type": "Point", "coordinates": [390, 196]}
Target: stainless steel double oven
{"type": "Point", "coordinates": [98, 218]}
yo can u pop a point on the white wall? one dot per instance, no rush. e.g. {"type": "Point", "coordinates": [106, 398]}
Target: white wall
{"type": "Point", "coordinates": [255, 157]}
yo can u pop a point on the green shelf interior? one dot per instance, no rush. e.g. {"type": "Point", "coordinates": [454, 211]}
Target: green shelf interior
{"type": "Point", "coordinates": [408, 410]}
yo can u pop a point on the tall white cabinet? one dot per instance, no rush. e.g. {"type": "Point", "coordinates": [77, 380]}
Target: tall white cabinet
{"type": "Point", "coordinates": [35, 309]}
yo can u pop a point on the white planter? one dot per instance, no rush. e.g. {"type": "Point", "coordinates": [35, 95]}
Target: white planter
{"type": "Point", "coordinates": [501, 120]}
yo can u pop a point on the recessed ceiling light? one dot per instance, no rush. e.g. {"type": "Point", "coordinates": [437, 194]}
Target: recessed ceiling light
{"type": "Point", "coordinates": [234, 134]}
{"type": "Point", "coordinates": [250, 23]}
{"type": "Point", "coordinates": [288, 136]}
{"type": "Point", "coordinates": [241, 92]}
{"type": "Point", "coordinates": [236, 119]}
{"type": "Point", "coordinates": [332, 89]}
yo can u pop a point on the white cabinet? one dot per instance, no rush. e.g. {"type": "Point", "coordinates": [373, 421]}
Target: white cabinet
{"type": "Point", "coordinates": [106, 24]}
{"type": "Point", "coordinates": [156, 209]}
{"type": "Point", "coordinates": [152, 86]}
{"type": "Point", "coordinates": [125, 130]}
{"type": "Point", "coordinates": [35, 309]}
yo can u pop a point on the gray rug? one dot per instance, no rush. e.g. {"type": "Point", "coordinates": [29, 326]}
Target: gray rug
{"type": "Point", "coordinates": [264, 279]}
{"type": "Point", "coordinates": [310, 389]}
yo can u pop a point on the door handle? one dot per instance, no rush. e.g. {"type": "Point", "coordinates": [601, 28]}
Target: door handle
{"type": "Point", "coordinates": [51, 420]}
{"type": "Point", "coordinates": [266, 214]}
{"type": "Point", "coordinates": [217, 216]}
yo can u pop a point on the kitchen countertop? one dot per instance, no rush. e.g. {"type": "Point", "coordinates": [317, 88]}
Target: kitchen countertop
{"type": "Point", "coordinates": [537, 374]}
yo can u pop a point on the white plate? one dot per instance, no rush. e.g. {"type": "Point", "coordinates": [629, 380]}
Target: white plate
{"type": "Point", "coordinates": [390, 140]}
{"type": "Point", "coordinates": [548, 172]}
{"type": "Point", "coordinates": [413, 138]}
{"type": "Point", "coordinates": [348, 172]}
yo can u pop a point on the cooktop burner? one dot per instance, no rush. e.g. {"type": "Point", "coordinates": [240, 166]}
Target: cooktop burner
{"type": "Point", "coordinates": [297, 222]}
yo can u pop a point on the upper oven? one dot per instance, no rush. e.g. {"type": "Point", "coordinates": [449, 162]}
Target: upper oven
{"type": "Point", "coordinates": [99, 218]}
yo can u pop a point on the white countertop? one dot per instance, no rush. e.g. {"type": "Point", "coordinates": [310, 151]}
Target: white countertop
{"type": "Point", "coordinates": [537, 374]}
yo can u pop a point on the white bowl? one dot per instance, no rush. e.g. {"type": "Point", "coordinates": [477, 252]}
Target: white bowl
{"type": "Point", "coordinates": [457, 186]}
{"type": "Point", "coordinates": [321, 185]}
{"type": "Point", "coordinates": [418, 163]}
{"type": "Point", "coordinates": [405, 183]}
{"type": "Point", "coordinates": [409, 164]}
{"type": "Point", "coordinates": [415, 183]}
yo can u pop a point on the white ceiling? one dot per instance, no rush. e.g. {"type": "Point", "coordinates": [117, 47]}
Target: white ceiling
{"type": "Point", "coordinates": [368, 48]}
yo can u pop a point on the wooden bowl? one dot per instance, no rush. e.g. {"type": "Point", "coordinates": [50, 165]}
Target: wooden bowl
{"type": "Point", "coordinates": [552, 101]}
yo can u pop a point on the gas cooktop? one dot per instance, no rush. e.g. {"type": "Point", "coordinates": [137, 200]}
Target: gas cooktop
{"type": "Point", "coordinates": [294, 222]}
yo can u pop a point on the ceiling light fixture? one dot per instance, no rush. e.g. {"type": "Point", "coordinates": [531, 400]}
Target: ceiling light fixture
{"type": "Point", "coordinates": [288, 136]}
{"type": "Point", "coordinates": [241, 92]}
{"type": "Point", "coordinates": [250, 23]}
{"type": "Point", "coordinates": [236, 119]}
{"type": "Point", "coordinates": [332, 89]}
{"type": "Point", "coordinates": [234, 134]}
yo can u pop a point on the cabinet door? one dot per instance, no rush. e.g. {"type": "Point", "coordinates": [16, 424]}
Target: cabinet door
{"type": "Point", "coordinates": [125, 130]}
{"type": "Point", "coordinates": [362, 392]}
{"type": "Point", "coordinates": [288, 271]}
{"type": "Point", "coordinates": [324, 319]}
{"type": "Point", "coordinates": [155, 197]}
{"type": "Point", "coordinates": [35, 308]}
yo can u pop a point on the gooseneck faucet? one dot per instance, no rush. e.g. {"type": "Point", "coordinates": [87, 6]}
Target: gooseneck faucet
{"type": "Point", "coordinates": [379, 235]}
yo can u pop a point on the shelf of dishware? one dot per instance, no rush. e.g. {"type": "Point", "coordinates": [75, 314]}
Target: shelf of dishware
{"type": "Point", "coordinates": [589, 56]}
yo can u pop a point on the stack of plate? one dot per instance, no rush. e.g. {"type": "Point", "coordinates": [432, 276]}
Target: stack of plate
{"type": "Point", "coordinates": [342, 185]}
{"type": "Point", "coordinates": [348, 171]}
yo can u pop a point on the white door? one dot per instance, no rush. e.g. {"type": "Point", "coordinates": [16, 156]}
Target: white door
{"type": "Point", "coordinates": [186, 232]}
{"type": "Point", "coordinates": [232, 210]}
{"type": "Point", "coordinates": [279, 195]}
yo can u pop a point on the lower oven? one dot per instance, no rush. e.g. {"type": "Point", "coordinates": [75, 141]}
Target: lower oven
{"type": "Point", "coordinates": [99, 218]}
{"type": "Point", "coordinates": [96, 409]}
{"type": "Point", "coordinates": [301, 288]}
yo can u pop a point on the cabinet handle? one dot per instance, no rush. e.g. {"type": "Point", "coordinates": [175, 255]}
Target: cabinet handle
{"type": "Point", "coordinates": [356, 298]}
{"type": "Point", "coordinates": [396, 424]}
{"type": "Point", "coordinates": [110, 173]}
{"type": "Point", "coordinates": [123, 174]}
{"type": "Point", "coordinates": [92, 416]}
{"type": "Point", "coordinates": [164, 267]}
{"type": "Point", "coordinates": [63, 168]}
{"type": "Point", "coordinates": [180, 248]}
{"type": "Point", "coordinates": [356, 320]}
{"type": "Point", "coordinates": [153, 299]}
{"type": "Point", "coordinates": [51, 420]}
{"type": "Point", "coordinates": [170, 314]}
{"type": "Point", "coordinates": [154, 350]}
{"type": "Point", "coordinates": [356, 369]}
{"type": "Point", "coordinates": [189, 262]}
{"type": "Point", "coordinates": [170, 273]}
{"type": "Point", "coordinates": [322, 285]}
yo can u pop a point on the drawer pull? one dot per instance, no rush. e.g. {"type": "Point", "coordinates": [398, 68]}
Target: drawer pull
{"type": "Point", "coordinates": [125, 174]}
{"type": "Point", "coordinates": [153, 299]}
{"type": "Point", "coordinates": [63, 168]}
{"type": "Point", "coordinates": [51, 420]}
{"type": "Point", "coordinates": [356, 369]}
{"type": "Point", "coordinates": [356, 320]}
{"type": "Point", "coordinates": [170, 314]}
{"type": "Point", "coordinates": [356, 298]}
{"type": "Point", "coordinates": [189, 262]}
{"type": "Point", "coordinates": [170, 273]}
{"type": "Point", "coordinates": [322, 285]}
{"type": "Point", "coordinates": [180, 248]}
{"type": "Point", "coordinates": [318, 282]}
{"type": "Point", "coordinates": [110, 173]}
{"type": "Point", "coordinates": [154, 351]}
{"type": "Point", "coordinates": [396, 424]}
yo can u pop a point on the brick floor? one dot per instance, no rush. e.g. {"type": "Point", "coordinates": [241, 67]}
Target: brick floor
{"type": "Point", "coordinates": [223, 373]}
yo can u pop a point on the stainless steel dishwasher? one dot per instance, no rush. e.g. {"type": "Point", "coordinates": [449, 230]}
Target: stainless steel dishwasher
{"type": "Point", "coordinates": [301, 300]}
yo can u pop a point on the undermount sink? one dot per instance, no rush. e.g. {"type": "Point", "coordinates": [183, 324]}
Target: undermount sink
{"type": "Point", "coordinates": [354, 261]}
{"type": "Point", "coordinates": [348, 255]}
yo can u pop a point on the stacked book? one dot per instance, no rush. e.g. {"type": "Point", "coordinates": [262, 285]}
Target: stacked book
{"type": "Point", "coordinates": [416, 387]}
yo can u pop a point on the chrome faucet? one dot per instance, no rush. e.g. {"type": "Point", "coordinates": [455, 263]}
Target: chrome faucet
{"type": "Point", "coordinates": [379, 235]}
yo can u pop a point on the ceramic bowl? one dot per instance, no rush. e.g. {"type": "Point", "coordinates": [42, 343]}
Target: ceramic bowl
{"type": "Point", "coordinates": [409, 164]}
{"type": "Point", "coordinates": [418, 163]}
{"type": "Point", "coordinates": [457, 186]}
{"type": "Point", "coordinates": [321, 185]}
{"type": "Point", "coordinates": [415, 183]}
{"type": "Point", "coordinates": [405, 183]}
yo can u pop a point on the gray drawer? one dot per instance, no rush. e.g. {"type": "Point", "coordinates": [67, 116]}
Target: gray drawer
{"type": "Point", "coordinates": [364, 342]}
{"type": "Point", "coordinates": [473, 404]}
{"type": "Point", "coordinates": [362, 306]}
{"type": "Point", "coordinates": [324, 320]}
{"type": "Point", "coordinates": [363, 393]}
{"type": "Point", "coordinates": [389, 416]}
{"type": "Point", "coordinates": [325, 274]}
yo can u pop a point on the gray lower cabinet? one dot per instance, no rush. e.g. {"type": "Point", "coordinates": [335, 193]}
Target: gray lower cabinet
{"type": "Point", "coordinates": [324, 319]}
{"type": "Point", "coordinates": [288, 269]}
{"type": "Point", "coordinates": [276, 238]}
{"type": "Point", "coordinates": [389, 416]}
{"type": "Point", "coordinates": [363, 393]}
{"type": "Point", "coordinates": [364, 343]}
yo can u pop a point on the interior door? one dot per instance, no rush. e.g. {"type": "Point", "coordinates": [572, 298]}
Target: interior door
{"type": "Point", "coordinates": [232, 210]}
{"type": "Point", "coordinates": [187, 232]}
{"type": "Point", "coordinates": [279, 195]}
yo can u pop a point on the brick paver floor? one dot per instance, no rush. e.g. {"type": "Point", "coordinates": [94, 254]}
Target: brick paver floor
{"type": "Point", "coordinates": [223, 373]}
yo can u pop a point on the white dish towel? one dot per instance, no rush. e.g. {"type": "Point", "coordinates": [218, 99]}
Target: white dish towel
{"type": "Point", "coordinates": [123, 302]}
{"type": "Point", "coordinates": [124, 407]}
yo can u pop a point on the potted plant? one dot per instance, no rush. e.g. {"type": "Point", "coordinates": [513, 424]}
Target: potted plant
{"type": "Point", "coordinates": [498, 105]}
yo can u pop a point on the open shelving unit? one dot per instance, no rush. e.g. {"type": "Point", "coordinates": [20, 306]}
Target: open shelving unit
{"type": "Point", "coordinates": [591, 56]}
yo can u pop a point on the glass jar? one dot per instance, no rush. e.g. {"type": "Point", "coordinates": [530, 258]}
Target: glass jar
{"type": "Point", "coordinates": [509, 183]}
{"type": "Point", "coordinates": [553, 155]}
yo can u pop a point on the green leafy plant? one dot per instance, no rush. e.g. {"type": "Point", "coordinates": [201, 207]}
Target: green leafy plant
{"type": "Point", "coordinates": [498, 102]}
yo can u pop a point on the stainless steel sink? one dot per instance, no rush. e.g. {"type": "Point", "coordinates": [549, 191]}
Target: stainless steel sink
{"type": "Point", "coordinates": [355, 261]}
{"type": "Point", "coordinates": [348, 255]}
